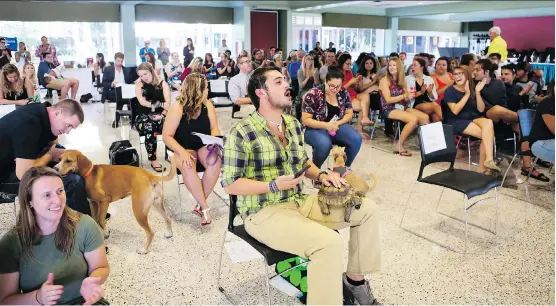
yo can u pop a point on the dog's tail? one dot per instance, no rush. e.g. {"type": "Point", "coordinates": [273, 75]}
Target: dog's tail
{"type": "Point", "coordinates": [375, 181]}
{"type": "Point", "coordinates": [170, 176]}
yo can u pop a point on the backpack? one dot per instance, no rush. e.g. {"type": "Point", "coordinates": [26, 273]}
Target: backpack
{"type": "Point", "coordinates": [121, 152]}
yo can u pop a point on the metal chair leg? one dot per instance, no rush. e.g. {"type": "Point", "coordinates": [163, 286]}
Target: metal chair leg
{"type": "Point", "coordinates": [507, 170]}
{"type": "Point", "coordinates": [407, 202]}
{"type": "Point", "coordinates": [179, 191]}
{"type": "Point", "coordinates": [440, 198]}
{"type": "Point", "coordinates": [267, 276]}
{"type": "Point", "coordinates": [469, 153]}
{"type": "Point", "coordinates": [15, 211]}
{"type": "Point", "coordinates": [496, 220]}
{"type": "Point", "coordinates": [465, 216]}
{"type": "Point", "coordinates": [220, 288]}
{"type": "Point", "coordinates": [374, 128]}
{"type": "Point", "coordinates": [494, 146]}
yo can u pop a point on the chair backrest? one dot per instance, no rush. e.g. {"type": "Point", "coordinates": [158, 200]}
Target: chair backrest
{"type": "Point", "coordinates": [526, 118]}
{"type": "Point", "coordinates": [444, 155]}
{"type": "Point", "coordinates": [233, 211]}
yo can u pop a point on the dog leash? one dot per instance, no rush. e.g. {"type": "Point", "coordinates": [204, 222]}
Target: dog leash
{"type": "Point", "coordinates": [216, 150]}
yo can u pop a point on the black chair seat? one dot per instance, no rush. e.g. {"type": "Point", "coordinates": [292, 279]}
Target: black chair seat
{"type": "Point", "coordinates": [272, 256]}
{"type": "Point", "coordinates": [468, 182]}
{"type": "Point", "coordinates": [7, 197]}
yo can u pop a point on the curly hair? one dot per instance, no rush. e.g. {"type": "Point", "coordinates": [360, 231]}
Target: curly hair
{"type": "Point", "coordinates": [6, 85]}
{"type": "Point", "coordinates": [191, 96]}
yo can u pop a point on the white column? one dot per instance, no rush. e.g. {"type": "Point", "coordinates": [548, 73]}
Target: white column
{"type": "Point", "coordinates": [289, 46]}
{"type": "Point", "coordinates": [127, 18]}
{"type": "Point", "coordinates": [391, 36]}
{"type": "Point", "coordinates": [241, 31]}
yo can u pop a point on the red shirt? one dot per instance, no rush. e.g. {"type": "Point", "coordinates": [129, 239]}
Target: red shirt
{"type": "Point", "coordinates": [185, 73]}
{"type": "Point", "coordinates": [347, 77]}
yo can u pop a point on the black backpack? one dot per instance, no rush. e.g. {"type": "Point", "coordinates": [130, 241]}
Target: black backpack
{"type": "Point", "coordinates": [121, 152]}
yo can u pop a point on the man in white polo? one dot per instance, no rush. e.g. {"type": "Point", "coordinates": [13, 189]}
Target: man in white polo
{"type": "Point", "coordinates": [237, 87]}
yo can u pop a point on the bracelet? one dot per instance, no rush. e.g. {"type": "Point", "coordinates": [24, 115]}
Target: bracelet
{"type": "Point", "coordinates": [320, 173]}
{"type": "Point", "coordinates": [37, 297]}
{"type": "Point", "coordinates": [273, 186]}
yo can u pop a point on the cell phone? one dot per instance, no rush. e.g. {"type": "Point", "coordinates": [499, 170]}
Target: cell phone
{"type": "Point", "coordinates": [300, 173]}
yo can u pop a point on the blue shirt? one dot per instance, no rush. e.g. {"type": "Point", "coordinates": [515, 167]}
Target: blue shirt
{"type": "Point", "coordinates": [355, 68]}
{"type": "Point", "coordinates": [142, 52]}
{"type": "Point", "coordinates": [293, 68]}
{"type": "Point", "coordinates": [43, 69]}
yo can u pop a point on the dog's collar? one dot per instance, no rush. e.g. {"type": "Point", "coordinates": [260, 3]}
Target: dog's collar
{"type": "Point", "coordinates": [88, 171]}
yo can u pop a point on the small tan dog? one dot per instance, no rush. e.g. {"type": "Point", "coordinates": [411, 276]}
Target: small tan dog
{"type": "Point", "coordinates": [108, 183]}
{"type": "Point", "coordinates": [357, 182]}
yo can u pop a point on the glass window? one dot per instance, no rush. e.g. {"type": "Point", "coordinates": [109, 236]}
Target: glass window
{"type": "Point", "coordinates": [74, 41]}
{"type": "Point", "coordinates": [350, 39]}
{"type": "Point", "coordinates": [420, 42]}
{"type": "Point", "coordinates": [408, 44]}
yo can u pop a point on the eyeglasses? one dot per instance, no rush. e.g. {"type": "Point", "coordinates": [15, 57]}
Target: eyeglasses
{"type": "Point", "coordinates": [247, 61]}
{"type": "Point", "coordinates": [458, 73]}
{"type": "Point", "coordinates": [334, 87]}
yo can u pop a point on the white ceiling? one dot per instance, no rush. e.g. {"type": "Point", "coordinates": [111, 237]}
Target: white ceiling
{"type": "Point", "coordinates": [391, 4]}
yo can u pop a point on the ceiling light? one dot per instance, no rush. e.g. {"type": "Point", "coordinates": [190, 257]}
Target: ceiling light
{"type": "Point", "coordinates": [420, 3]}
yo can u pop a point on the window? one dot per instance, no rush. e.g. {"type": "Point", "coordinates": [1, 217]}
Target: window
{"type": "Point", "coordinates": [352, 40]}
{"type": "Point", "coordinates": [420, 44]}
{"type": "Point", "coordinates": [74, 41]}
{"type": "Point", "coordinates": [408, 44]}
{"type": "Point", "coordinates": [207, 38]}
{"type": "Point", "coordinates": [427, 42]}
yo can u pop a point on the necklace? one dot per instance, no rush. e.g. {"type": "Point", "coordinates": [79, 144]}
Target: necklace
{"type": "Point", "coordinates": [278, 125]}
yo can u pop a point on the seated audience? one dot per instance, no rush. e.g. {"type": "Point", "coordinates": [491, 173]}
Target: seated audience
{"type": "Point", "coordinates": [143, 51]}
{"type": "Point", "coordinates": [30, 75]}
{"type": "Point", "coordinates": [403, 57]}
{"type": "Point", "coordinates": [209, 65]}
{"type": "Point", "coordinates": [307, 75]}
{"type": "Point", "coordinates": [430, 63]}
{"type": "Point", "coordinates": [369, 73]}
{"type": "Point", "coordinates": [442, 77]}
{"type": "Point", "coordinates": [422, 85]}
{"type": "Point", "coordinates": [193, 112]}
{"type": "Point", "coordinates": [13, 88]}
{"type": "Point", "coordinates": [225, 68]}
{"type": "Point", "coordinates": [259, 59]}
{"type": "Point", "coordinates": [357, 63]}
{"type": "Point", "coordinates": [531, 87]}
{"type": "Point", "coordinates": [174, 68]}
{"type": "Point", "coordinates": [234, 65]}
{"type": "Point", "coordinates": [542, 132]}
{"type": "Point", "coordinates": [330, 60]}
{"type": "Point", "coordinates": [237, 87]}
{"type": "Point", "coordinates": [464, 111]}
{"type": "Point", "coordinates": [271, 53]}
{"type": "Point", "coordinates": [157, 64]}
{"type": "Point", "coordinates": [27, 139]}
{"type": "Point", "coordinates": [54, 255]}
{"type": "Point", "coordinates": [515, 95]}
{"type": "Point", "coordinates": [277, 61]}
{"type": "Point", "coordinates": [274, 210]}
{"type": "Point", "coordinates": [360, 102]}
{"type": "Point", "coordinates": [383, 66]}
{"type": "Point", "coordinates": [112, 77]}
{"type": "Point", "coordinates": [453, 63]}
{"type": "Point", "coordinates": [100, 64]}
{"type": "Point", "coordinates": [51, 78]}
{"type": "Point", "coordinates": [468, 60]}
{"type": "Point", "coordinates": [326, 114]}
{"type": "Point", "coordinates": [22, 56]}
{"type": "Point", "coordinates": [293, 68]}
{"type": "Point", "coordinates": [394, 98]}
{"type": "Point", "coordinates": [195, 66]}
{"type": "Point", "coordinates": [153, 95]}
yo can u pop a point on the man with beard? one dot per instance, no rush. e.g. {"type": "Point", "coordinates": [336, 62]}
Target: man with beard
{"type": "Point", "coordinates": [261, 155]}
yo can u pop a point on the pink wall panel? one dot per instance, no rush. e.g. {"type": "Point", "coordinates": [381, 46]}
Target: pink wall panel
{"type": "Point", "coordinates": [528, 32]}
{"type": "Point", "coordinates": [264, 30]}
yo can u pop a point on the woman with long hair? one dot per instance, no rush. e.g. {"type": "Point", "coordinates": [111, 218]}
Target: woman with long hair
{"type": "Point", "coordinates": [465, 108]}
{"type": "Point", "coordinates": [452, 64]}
{"type": "Point", "coordinates": [188, 53]}
{"type": "Point", "coordinates": [360, 102]}
{"type": "Point", "coordinates": [192, 113]}
{"type": "Point", "coordinates": [368, 69]}
{"type": "Point", "coordinates": [100, 64]}
{"type": "Point", "coordinates": [196, 66]}
{"type": "Point", "coordinates": [425, 93]}
{"type": "Point", "coordinates": [174, 68]}
{"type": "Point", "coordinates": [156, 63]}
{"type": "Point", "coordinates": [357, 63]}
{"type": "Point", "coordinates": [394, 97]}
{"type": "Point", "coordinates": [226, 66]}
{"type": "Point", "coordinates": [13, 88]}
{"type": "Point", "coordinates": [442, 77]}
{"type": "Point", "coordinates": [209, 64]}
{"type": "Point", "coordinates": [54, 255]}
{"type": "Point", "coordinates": [307, 75]}
{"type": "Point", "coordinates": [153, 95]}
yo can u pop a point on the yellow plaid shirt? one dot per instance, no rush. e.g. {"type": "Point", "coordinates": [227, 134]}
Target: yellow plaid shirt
{"type": "Point", "coordinates": [252, 152]}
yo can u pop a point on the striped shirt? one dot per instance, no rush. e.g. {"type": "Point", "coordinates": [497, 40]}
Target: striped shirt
{"type": "Point", "coordinates": [252, 152]}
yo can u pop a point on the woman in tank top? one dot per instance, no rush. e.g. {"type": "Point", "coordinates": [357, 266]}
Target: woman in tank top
{"type": "Point", "coordinates": [194, 113]}
{"type": "Point", "coordinates": [13, 88]}
{"type": "Point", "coordinates": [442, 77]}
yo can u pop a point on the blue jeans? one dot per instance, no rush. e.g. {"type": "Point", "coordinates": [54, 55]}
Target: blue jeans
{"type": "Point", "coordinates": [544, 149]}
{"type": "Point", "coordinates": [322, 142]}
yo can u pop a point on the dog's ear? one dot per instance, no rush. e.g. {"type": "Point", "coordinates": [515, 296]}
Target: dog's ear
{"type": "Point", "coordinates": [83, 163]}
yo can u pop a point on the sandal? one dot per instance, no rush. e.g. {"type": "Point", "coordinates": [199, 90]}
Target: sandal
{"type": "Point", "coordinates": [535, 174]}
{"type": "Point", "coordinates": [158, 169]}
{"type": "Point", "coordinates": [204, 211]}
{"type": "Point", "coordinates": [197, 210]}
{"type": "Point", "coordinates": [492, 166]}
{"type": "Point", "coordinates": [403, 153]}
{"type": "Point", "coordinates": [364, 135]}
{"type": "Point", "coordinates": [369, 122]}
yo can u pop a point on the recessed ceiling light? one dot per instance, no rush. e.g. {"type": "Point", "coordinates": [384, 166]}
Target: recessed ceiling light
{"type": "Point", "coordinates": [420, 3]}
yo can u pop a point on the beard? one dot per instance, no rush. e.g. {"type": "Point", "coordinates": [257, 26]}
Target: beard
{"type": "Point", "coordinates": [280, 102]}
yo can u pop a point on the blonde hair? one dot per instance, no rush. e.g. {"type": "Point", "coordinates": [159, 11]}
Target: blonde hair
{"type": "Point", "coordinates": [33, 78]}
{"type": "Point", "coordinates": [196, 65]}
{"type": "Point", "coordinates": [191, 96]}
{"type": "Point", "coordinates": [308, 72]}
{"type": "Point", "coordinates": [27, 228]}
{"type": "Point", "coordinates": [6, 85]}
{"type": "Point", "coordinates": [146, 66]}
{"type": "Point", "coordinates": [400, 77]}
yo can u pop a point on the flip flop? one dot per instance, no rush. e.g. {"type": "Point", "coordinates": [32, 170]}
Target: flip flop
{"type": "Point", "coordinates": [197, 210]}
{"type": "Point", "coordinates": [539, 176]}
{"type": "Point", "coordinates": [403, 153]}
{"type": "Point", "coordinates": [158, 169]}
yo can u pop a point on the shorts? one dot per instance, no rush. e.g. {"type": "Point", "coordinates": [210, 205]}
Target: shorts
{"type": "Point", "coordinates": [56, 84]}
{"type": "Point", "coordinates": [386, 113]}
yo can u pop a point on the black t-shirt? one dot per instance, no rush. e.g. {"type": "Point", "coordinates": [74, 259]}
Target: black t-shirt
{"type": "Point", "coordinates": [469, 110]}
{"type": "Point", "coordinates": [513, 97]}
{"type": "Point", "coordinates": [494, 93]}
{"type": "Point", "coordinates": [4, 58]}
{"type": "Point", "coordinates": [24, 133]}
{"type": "Point", "coordinates": [540, 131]}
{"type": "Point", "coordinates": [332, 111]}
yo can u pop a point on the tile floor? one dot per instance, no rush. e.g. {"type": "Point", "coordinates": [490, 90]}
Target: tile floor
{"type": "Point", "coordinates": [516, 267]}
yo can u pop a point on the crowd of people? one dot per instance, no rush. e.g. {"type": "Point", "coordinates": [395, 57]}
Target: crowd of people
{"type": "Point", "coordinates": [260, 156]}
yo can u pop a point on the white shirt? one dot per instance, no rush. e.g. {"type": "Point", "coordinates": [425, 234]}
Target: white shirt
{"type": "Point", "coordinates": [237, 87]}
{"type": "Point", "coordinates": [119, 75]}
{"type": "Point", "coordinates": [222, 49]}
{"type": "Point", "coordinates": [427, 80]}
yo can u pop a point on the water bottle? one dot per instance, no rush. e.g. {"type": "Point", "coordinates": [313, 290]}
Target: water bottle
{"type": "Point", "coordinates": [412, 90]}
{"type": "Point", "coordinates": [334, 119]}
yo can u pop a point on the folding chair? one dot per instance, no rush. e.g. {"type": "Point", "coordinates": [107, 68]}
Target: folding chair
{"type": "Point", "coordinates": [470, 183]}
{"type": "Point", "coordinates": [270, 255]}
{"type": "Point", "coordinates": [397, 130]}
{"type": "Point", "coordinates": [131, 114]}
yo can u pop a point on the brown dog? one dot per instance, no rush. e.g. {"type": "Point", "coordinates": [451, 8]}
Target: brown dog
{"type": "Point", "coordinates": [357, 182]}
{"type": "Point", "coordinates": [108, 183]}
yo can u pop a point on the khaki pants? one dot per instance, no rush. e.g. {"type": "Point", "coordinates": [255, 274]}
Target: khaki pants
{"type": "Point", "coordinates": [306, 232]}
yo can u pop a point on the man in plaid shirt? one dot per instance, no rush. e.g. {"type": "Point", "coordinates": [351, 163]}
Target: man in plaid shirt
{"type": "Point", "coordinates": [261, 155]}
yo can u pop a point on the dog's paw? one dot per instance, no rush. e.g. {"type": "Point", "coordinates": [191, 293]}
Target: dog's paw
{"type": "Point", "coordinates": [106, 234]}
{"type": "Point", "coordinates": [168, 235]}
{"type": "Point", "coordinates": [142, 251]}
